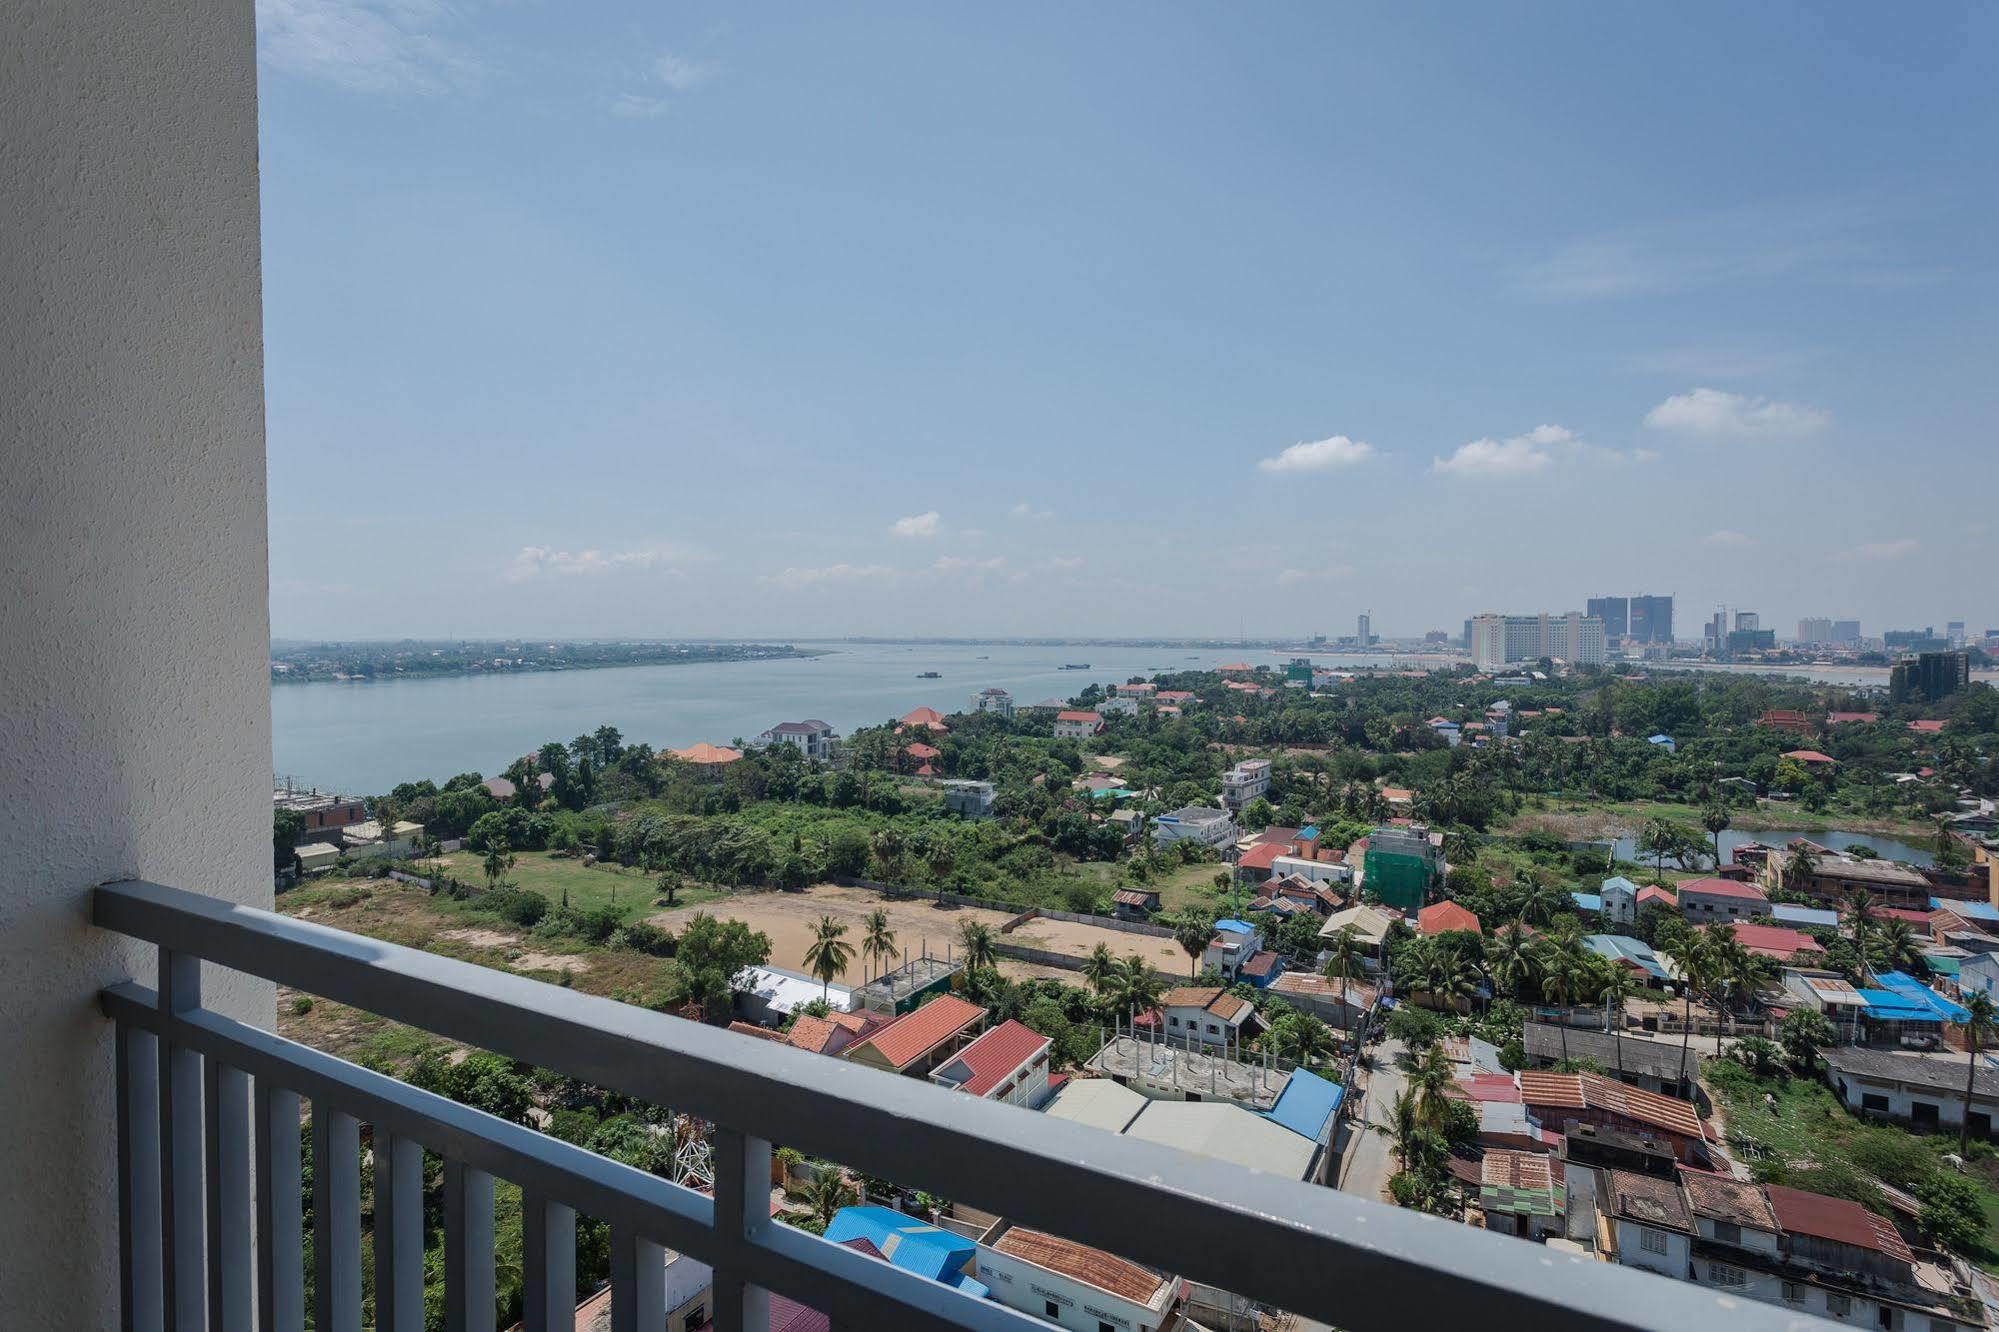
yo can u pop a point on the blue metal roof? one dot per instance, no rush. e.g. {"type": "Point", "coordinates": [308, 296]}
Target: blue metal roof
{"type": "Point", "coordinates": [1970, 910]}
{"type": "Point", "coordinates": [1309, 833]}
{"type": "Point", "coordinates": [1914, 991]}
{"type": "Point", "coordinates": [1587, 901]}
{"type": "Point", "coordinates": [1787, 914]}
{"type": "Point", "coordinates": [914, 1246]}
{"type": "Point", "coordinates": [1234, 926]}
{"type": "Point", "coordinates": [1624, 948]}
{"type": "Point", "coordinates": [1661, 739]}
{"type": "Point", "coordinates": [1306, 1103]}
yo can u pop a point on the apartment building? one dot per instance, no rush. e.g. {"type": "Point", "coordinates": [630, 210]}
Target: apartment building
{"type": "Point", "coordinates": [1245, 782]}
{"type": "Point", "coordinates": [1500, 640]}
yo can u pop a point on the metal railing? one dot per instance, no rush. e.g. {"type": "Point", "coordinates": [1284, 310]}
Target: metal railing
{"type": "Point", "coordinates": [211, 1205]}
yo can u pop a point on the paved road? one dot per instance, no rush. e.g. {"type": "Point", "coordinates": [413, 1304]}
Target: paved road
{"type": "Point", "coordinates": [1369, 1159]}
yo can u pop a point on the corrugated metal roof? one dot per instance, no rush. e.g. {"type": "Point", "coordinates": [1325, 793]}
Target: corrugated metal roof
{"type": "Point", "coordinates": [909, 1037]}
{"type": "Point", "coordinates": [1836, 1219]}
{"type": "Point", "coordinates": [1307, 1104]}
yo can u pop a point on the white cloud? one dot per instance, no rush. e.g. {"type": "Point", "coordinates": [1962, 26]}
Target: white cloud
{"type": "Point", "coordinates": [830, 573]}
{"type": "Point", "coordinates": [1320, 455]}
{"type": "Point", "coordinates": [1026, 510]}
{"type": "Point", "coordinates": [1707, 411]}
{"type": "Point", "coordinates": [376, 46]}
{"type": "Point", "coordinates": [918, 525]}
{"type": "Point", "coordinates": [668, 72]}
{"type": "Point", "coordinates": [1513, 456]}
{"type": "Point", "coordinates": [1881, 550]}
{"type": "Point", "coordinates": [533, 561]}
{"type": "Point", "coordinates": [680, 74]}
{"type": "Point", "coordinates": [1725, 537]}
{"type": "Point", "coordinates": [1293, 577]}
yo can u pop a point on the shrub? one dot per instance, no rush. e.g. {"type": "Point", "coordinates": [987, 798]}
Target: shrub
{"type": "Point", "coordinates": [302, 1004]}
{"type": "Point", "coordinates": [1895, 1157]}
{"type": "Point", "coordinates": [1417, 1028]}
{"type": "Point", "coordinates": [1950, 1214]}
{"type": "Point", "coordinates": [522, 906]}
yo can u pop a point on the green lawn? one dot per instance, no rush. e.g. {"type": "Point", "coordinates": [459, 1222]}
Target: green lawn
{"type": "Point", "coordinates": [1182, 886]}
{"type": "Point", "coordinates": [589, 886]}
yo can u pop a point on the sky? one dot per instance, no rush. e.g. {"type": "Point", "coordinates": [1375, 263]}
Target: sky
{"type": "Point", "coordinates": [814, 320]}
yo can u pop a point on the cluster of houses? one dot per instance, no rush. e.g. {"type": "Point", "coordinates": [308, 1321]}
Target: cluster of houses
{"type": "Point", "coordinates": [337, 824]}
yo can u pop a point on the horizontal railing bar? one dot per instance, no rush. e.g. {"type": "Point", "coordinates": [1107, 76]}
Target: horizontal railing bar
{"type": "Point", "coordinates": [597, 1186]}
{"type": "Point", "coordinates": [1311, 1250]}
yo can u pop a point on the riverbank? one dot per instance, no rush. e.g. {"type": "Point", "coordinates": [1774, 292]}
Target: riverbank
{"type": "Point", "coordinates": [342, 663]}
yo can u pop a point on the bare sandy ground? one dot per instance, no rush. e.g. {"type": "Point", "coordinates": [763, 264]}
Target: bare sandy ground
{"type": "Point", "coordinates": [1078, 940]}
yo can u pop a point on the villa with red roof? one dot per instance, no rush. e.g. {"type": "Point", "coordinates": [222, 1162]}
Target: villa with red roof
{"type": "Point", "coordinates": [1073, 724]}
{"type": "Point", "coordinates": [921, 1039]}
{"type": "Point", "coordinates": [1008, 1063]}
{"type": "Point", "coordinates": [1851, 718]}
{"type": "Point", "coordinates": [928, 719]}
{"type": "Point", "coordinates": [1703, 900]}
{"type": "Point", "coordinates": [1444, 918]}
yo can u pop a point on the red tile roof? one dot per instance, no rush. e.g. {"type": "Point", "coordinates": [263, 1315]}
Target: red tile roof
{"type": "Point", "coordinates": [1209, 998]}
{"type": "Point", "coordinates": [1652, 892]}
{"type": "Point", "coordinates": [916, 1033]}
{"type": "Point", "coordinates": [1590, 1091]}
{"type": "Point", "coordinates": [1773, 940]}
{"type": "Point", "coordinates": [918, 750]}
{"type": "Point", "coordinates": [706, 753]}
{"type": "Point", "coordinates": [1071, 714]}
{"type": "Point", "coordinates": [1835, 1219]}
{"type": "Point", "coordinates": [1444, 917]}
{"type": "Point", "coordinates": [1262, 856]}
{"type": "Point", "coordinates": [1927, 727]}
{"type": "Point", "coordinates": [761, 1033]}
{"type": "Point", "coordinates": [921, 717]}
{"type": "Point", "coordinates": [1843, 718]}
{"type": "Point", "coordinates": [812, 1033]}
{"type": "Point", "coordinates": [1093, 1267]}
{"type": "Point", "coordinates": [997, 1054]}
{"type": "Point", "coordinates": [1809, 756]}
{"type": "Point", "coordinates": [1723, 888]}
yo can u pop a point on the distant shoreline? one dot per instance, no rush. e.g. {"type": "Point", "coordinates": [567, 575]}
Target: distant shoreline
{"type": "Point", "coordinates": [352, 671]}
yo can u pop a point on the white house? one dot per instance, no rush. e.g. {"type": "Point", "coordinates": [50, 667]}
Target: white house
{"type": "Point", "coordinates": [1123, 705]}
{"type": "Point", "coordinates": [994, 700]}
{"type": "Point", "coordinates": [1204, 1015]}
{"type": "Point", "coordinates": [1210, 827]}
{"type": "Point", "coordinates": [1072, 1285]}
{"type": "Point", "coordinates": [1235, 942]}
{"type": "Point", "coordinates": [972, 799]}
{"type": "Point", "coordinates": [1912, 1088]}
{"type": "Point", "coordinates": [1245, 782]}
{"type": "Point", "coordinates": [813, 738]}
{"type": "Point", "coordinates": [1073, 724]}
{"type": "Point", "coordinates": [1142, 690]}
{"type": "Point", "coordinates": [1619, 897]}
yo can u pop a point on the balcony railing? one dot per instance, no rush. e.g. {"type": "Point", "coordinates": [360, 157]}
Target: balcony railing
{"type": "Point", "coordinates": [211, 1204]}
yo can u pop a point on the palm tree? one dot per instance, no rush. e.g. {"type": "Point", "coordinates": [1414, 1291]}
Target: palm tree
{"type": "Point", "coordinates": [1542, 902]}
{"type": "Point", "coordinates": [829, 954]}
{"type": "Point", "coordinates": [877, 940]}
{"type": "Point", "coordinates": [1980, 1015]}
{"type": "Point", "coordinates": [828, 1192]}
{"type": "Point", "coordinates": [1899, 948]}
{"type": "Point", "coordinates": [888, 846]}
{"type": "Point", "coordinates": [500, 859]}
{"type": "Point", "coordinates": [1690, 959]}
{"type": "Point", "coordinates": [1343, 959]}
{"type": "Point", "coordinates": [1097, 968]}
{"type": "Point", "coordinates": [1510, 956]}
{"type": "Point", "coordinates": [976, 939]}
{"type": "Point", "coordinates": [1302, 1038]}
{"type": "Point", "coordinates": [1613, 985]}
{"type": "Point", "coordinates": [1192, 930]}
{"type": "Point", "coordinates": [1716, 820]}
{"type": "Point", "coordinates": [1658, 841]}
{"type": "Point", "coordinates": [1134, 985]}
{"type": "Point", "coordinates": [1405, 1126]}
{"type": "Point", "coordinates": [1860, 905]}
{"type": "Point", "coordinates": [1561, 982]}
{"type": "Point", "coordinates": [1449, 977]}
{"type": "Point", "coordinates": [1430, 1079]}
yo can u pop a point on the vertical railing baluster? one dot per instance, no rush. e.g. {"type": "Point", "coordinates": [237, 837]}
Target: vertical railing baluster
{"type": "Point", "coordinates": [398, 1232]}
{"type": "Point", "coordinates": [469, 1302]}
{"type": "Point", "coordinates": [638, 1282]}
{"type": "Point", "coordinates": [280, 1212]}
{"type": "Point", "coordinates": [141, 1294]}
{"type": "Point", "coordinates": [181, 1188]}
{"type": "Point", "coordinates": [336, 1220]}
{"type": "Point", "coordinates": [229, 1246]}
{"type": "Point", "coordinates": [742, 1211]}
{"type": "Point", "coordinates": [548, 1264]}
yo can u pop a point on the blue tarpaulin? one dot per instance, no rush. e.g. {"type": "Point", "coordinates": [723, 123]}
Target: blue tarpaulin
{"type": "Point", "coordinates": [1937, 1008]}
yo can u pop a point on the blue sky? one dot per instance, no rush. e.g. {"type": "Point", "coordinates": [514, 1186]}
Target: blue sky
{"type": "Point", "coordinates": [688, 320]}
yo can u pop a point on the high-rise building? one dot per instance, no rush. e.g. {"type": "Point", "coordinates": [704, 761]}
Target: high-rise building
{"type": "Point", "coordinates": [1815, 631]}
{"type": "Point", "coordinates": [1929, 676]}
{"type": "Point", "coordinates": [1748, 621]}
{"type": "Point", "coordinates": [1714, 638]}
{"type": "Point", "coordinates": [1651, 619]}
{"type": "Point", "coordinates": [1925, 639]}
{"type": "Point", "coordinates": [1364, 630]}
{"type": "Point", "coordinates": [1615, 612]}
{"type": "Point", "coordinates": [1954, 633]}
{"type": "Point", "coordinates": [1499, 640]}
{"type": "Point", "coordinates": [1467, 637]}
{"type": "Point", "coordinates": [1846, 633]}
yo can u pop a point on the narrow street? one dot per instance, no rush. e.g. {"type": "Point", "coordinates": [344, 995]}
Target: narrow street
{"type": "Point", "coordinates": [1369, 1157]}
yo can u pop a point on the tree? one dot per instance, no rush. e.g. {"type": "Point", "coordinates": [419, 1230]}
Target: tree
{"type": "Point", "coordinates": [1192, 930]}
{"type": "Point", "coordinates": [1860, 907]}
{"type": "Point", "coordinates": [976, 939]}
{"type": "Point", "coordinates": [1431, 1079]}
{"type": "Point", "coordinates": [1135, 987]}
{"type": "Point", "coordinates": [668, 884]}
{"type": "Point", "coordinates": [712, 957]}
{"type": "Point", "coordinates": [287, 827]}
{"type": "Point", "coordinates": [1899, 947]}
{"type": "Point", "coordinates": [828, 1192]}
{"type": "Point", "coordinates": [1658, 841]}
{"type": "Point", "coordinates": [1097, 968]}
{"type": "Point", "coordinates": [1344, 954]}
{"type": "Point", "coordinates": [499, 860]}
{"type": "Point", "coordinates": [877, 940]}
{"type": "Point", "coordinates": [1510, 957]}
{"type": "Point", "coordinates": [1715, 818]}
{"type": "Point", "coordinates": [1803, 1033]}
{"type": "Point", "coordinates": [1979, 1017]}
{"type": "Point", "coordinates": [1301, 1038]}
{"type": "Point", "coordinates": [829, 953]}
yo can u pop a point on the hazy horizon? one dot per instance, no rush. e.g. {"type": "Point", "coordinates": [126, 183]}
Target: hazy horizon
{"type": "Point", "coordinates": [900, 321]}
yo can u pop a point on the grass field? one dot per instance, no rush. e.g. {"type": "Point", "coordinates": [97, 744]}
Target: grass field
{"type": "Point", "coordinates": [1181, 886]}
{"type": "Point", "coordinates": [1632, 814]}
{"type": "Point", "coordinates": [631, 891]}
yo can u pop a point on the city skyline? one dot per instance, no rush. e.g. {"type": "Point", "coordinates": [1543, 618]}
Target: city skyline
{"type": "Point", "coordinates": [908, 321]}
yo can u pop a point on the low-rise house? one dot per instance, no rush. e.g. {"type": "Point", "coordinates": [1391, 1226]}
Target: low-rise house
{"type": "Point", "coordinates": [1339, 1003]}
{"type": "Point", "coordinates": [1143, 689]}
{"type": "Point", "coordinates": [1445, 918]}
{"type": "Point", "coordinates": [1234, 943]}
{"type": "Point", "coordinates": [500, 788]}
{"type": "Point", "coordinates": [1803, 917]}
{"type": "Point", "coordinates": [1788, 719]}
{"type": "Point", "coordinates": [1827, 993]}
{"type": "Point", "coordinates": [1662, 741]}
{"type": "Point", "coordinates": [922, 719]}
{"type": "Point", "coordinates": [1245, 782]}
{"type": "Point", "coordinates": [1206, 1015]}
{"type": "Point", "coordinates": [1523, 1194]}
{"type": "Point", "coordinates": [1811, 758]}
{"type": "Point", "coordinates": [1074, 724]}
{"type": "Point", "coordinates": [1007, 1063]}
{"type": "Point", "coordinates": [1446, 730]}
{"type": "Point", "coordinates": [1370, 924]}
{"type": "Point", "coordinates": [1118, 706]}
{"type": "Point", "coordinates": [768, 995]}
{"type": "Point", "coordinates": [1705, 900]}
{"type": "Point", "coordinates": [827, 1035]}
{"type": "Point", "coordinates": [1635, 955]}
{"type": "Point", "coordinates": [1652, 893]}
{"type": "Point", "coordinates": [368, 839]}
{"type": "Point", "coordinates": [972, 799]}
{"type": "Point", "coordinates": [1561, 1099]}
{"type": "Point", "coordinates": [1617, 901]}
{"type": "Point", "coordinates": [994, 700]}
{"type": "Point", "coordinates": [1210, 827]}
{"type": "Point", "coordinates": [316, 857]}
{"type": "Point", "coordinates": [1669, 1069]}
{"type": "Point", "coordinates": [931, 1252]}
{"type": "Point", "coordinates": [812, 738]}
{"type": "Point", "coordinates": [1072, 1285]}
{"type": "Point", "coordinates": [1912, 1088]}
{"type": "Point", "coordinates": [705, 757]}
{"type": "Point", "coordinates": [1776, 941]}
{"type": "Point", "coordinates": [922, 1039]}
{"type": "Point", "coordinates": [1135, 903]}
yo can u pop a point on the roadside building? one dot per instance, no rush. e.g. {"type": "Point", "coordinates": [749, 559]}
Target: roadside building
{"type": "Point", "coordinates": [1706, 900]}
{"type": "Point", "coordinates": [1523, 1194]}
{"type": "Point", "coordinates": [921, 1040]}
{"type": "Point", "coordinates": [1668, 1069]}
{"type": "Point", "coordinates": [1074, 724]}
{"type": "Point", "coordinates": [1777, 942]}
{"type": "Point", "coordinates": [1634, 955]}
{"type": "Point", "coordinates": [1917, 1089]}
{"type": "Point", "coordinates": [1070, 1284]}
{"type": "Point", "coordinates": [1832, 878]}
{"type": "Point", "coordinates": [1560, 1099]}
{"type": "Point", "coordinates": [1371, 926]}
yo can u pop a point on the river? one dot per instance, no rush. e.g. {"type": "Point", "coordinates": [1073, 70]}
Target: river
{"type": "Point", "coordinates": [1888, 848]}
{"type": "Point", "coordinates": [365, 737]}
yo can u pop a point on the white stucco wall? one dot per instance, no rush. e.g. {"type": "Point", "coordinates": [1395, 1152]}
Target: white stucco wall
{"type": "Point", "coordinates": [134, 705]}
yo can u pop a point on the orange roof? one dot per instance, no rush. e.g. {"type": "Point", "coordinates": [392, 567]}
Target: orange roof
{"type": "Point", "coordinates": [922, 717]}
{"type": "Point", "coordinates": [1208, 997]}
{"type": "Point", "coordinates": [706, 753]}
{"type": "Point", "coordinates": [1072, 714]}
{"type": "Point", "coordinates": [1809, 756]}
{"type": "Point", "coordinates": [812, 1033]}
{"type": "Point", "coordinates": [761, 1033]}
{"type": "Point", "coordinates": [1093, 1267]}
{"type": "Point", "coordinates": [995, 1055]}
{"type": "Point", "coordinates": [1444, 917]}
{"type": "Point", "coordinates": [1260, 857]}
{"type": "Point", "coordinates": [916, 749]}
{"type": "Point", "coordinates": [916, 1033]}
{"type": "Point", "coordinates": [1396, 795]}
{"type": "Point", "coordinates": [1579, 1091]}
{"type": "Point", "coordinates": [1929, 727]}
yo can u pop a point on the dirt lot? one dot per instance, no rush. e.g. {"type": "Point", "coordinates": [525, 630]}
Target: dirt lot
{"type": "Point", "coordinates": [790, 919]}
{"type": "Point", "coordinates": [1077, 940]}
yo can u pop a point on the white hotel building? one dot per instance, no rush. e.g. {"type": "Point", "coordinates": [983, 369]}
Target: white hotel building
{"type": "Point", "coordinates": [1500, 640]}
